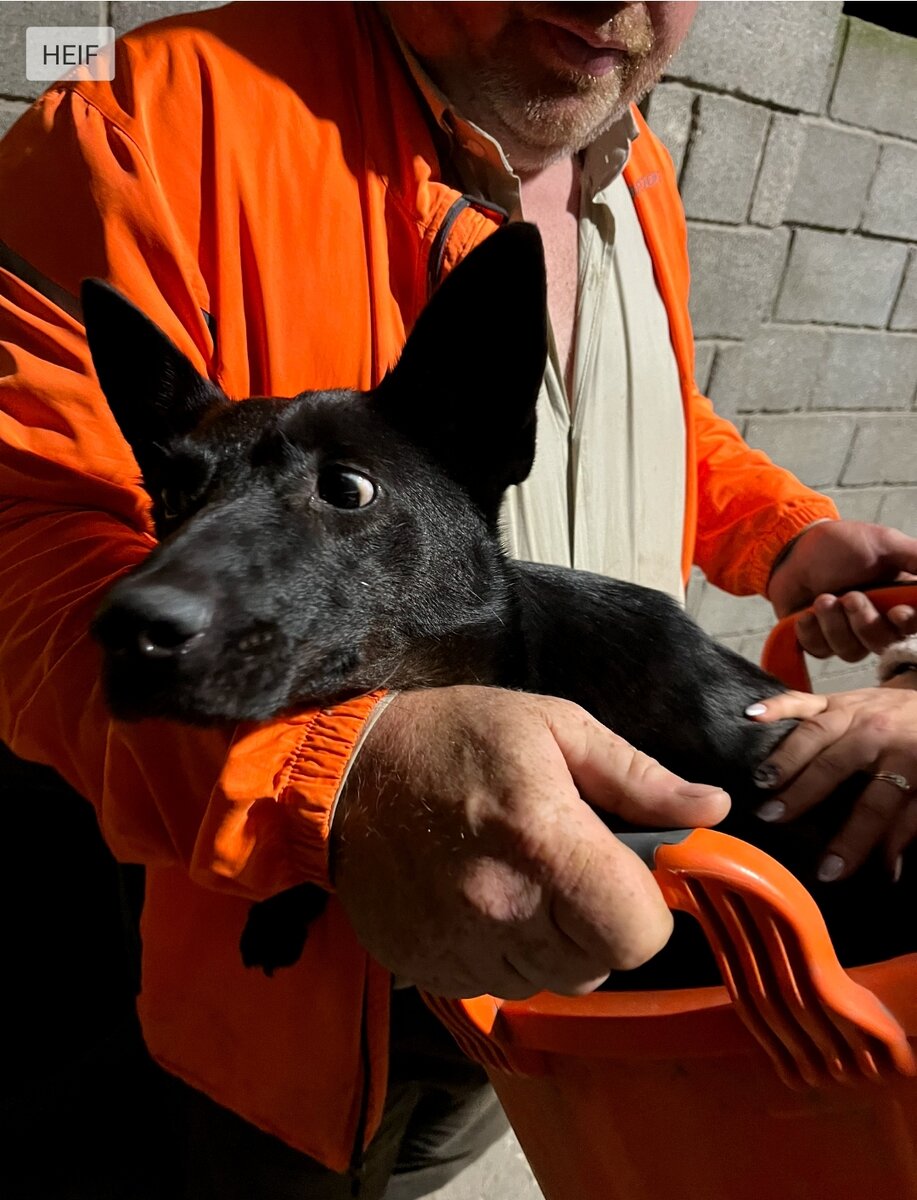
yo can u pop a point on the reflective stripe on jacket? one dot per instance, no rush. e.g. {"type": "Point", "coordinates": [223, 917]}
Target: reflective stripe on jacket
{"type": "Point", "coordinates": [260, 180]}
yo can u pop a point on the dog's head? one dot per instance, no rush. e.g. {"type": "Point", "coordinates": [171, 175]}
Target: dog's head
{"type": "Point", "coordinates": [320, 546]}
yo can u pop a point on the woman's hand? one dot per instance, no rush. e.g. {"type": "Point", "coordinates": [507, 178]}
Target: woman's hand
{"type": "Point", "coordinates": [873, 731]}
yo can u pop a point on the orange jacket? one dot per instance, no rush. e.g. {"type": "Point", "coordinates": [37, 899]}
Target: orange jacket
{"type": "Point", "coordinates": [266, 172]}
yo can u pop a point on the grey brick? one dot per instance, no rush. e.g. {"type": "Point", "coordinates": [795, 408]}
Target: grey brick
{"type": "Point", "coordinates": [833, 178]}
{"type": "Point", "coordinates": [16, 16]}
{"type": "Point", "coordinates": [669, 115]}
{"type": "Point", "coordinates": [704, 354]}
{"type": "Point", "coordinates": [722, 159]}
{"type": "Point", "coordinates": [813, 446]}
{"type": "Point", "coordinates": [10, 112]}
{"type": "Point", "coordinates": [775, 371]}
{"type": "Point", "coordinates": [780, 52]}
{"type": "Point", "coordinates": [867, 370]}
{"type": "Point", "coordinates": [892, 205]}
{"type": "Point", "coordinates": [857, 504]}
{"type": "Point", "coordinates": [899, 509]}
{"type": "Point", "coordinates": [852, 678]}
{"type": "Point", "coordinates": [837, 279]}
{"type": "Point", "coordinates": [905, 314]}
{"type": "Point", "coordinates": [752, 645]}
{"type": "Point", "coordinates": [694, 591]}
{"type": "Point", "coordinates": [831, 674]}
{"type": "Point", "coordinates": [782, 154]}
{"type": "Point", "coordinates": [883, 451]}
{"type": "Point", "coordinates": [732, 641]}
{"type": "Point", "coordinates": [725, 615]}
{"type": "Point", "coordinates": [876, 85]}
{"type": "Point", "coordinates": [735, 274]}
{"type": "Point", "coordinates": [128, 14]}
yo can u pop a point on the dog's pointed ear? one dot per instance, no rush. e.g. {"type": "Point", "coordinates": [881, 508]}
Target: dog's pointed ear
{"type": "Point", "coordinates": [466, 385]}
{"type": "Point", "coordinates": [153, 390]}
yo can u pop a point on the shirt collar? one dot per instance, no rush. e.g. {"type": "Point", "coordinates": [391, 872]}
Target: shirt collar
{"type": "Point", "coordinates": [603, 160]}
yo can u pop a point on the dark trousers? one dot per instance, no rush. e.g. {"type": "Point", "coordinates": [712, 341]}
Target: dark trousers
{"type": "Point", "coordinates": [87, 1115]}
{"type": "Point", "coordinates": [440, 1115]}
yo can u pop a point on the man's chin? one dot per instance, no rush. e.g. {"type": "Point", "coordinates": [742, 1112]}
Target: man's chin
{"type": "Point", "coordinates": [565, 114]}
{"type": "Point", "coordinates": [558, 128]}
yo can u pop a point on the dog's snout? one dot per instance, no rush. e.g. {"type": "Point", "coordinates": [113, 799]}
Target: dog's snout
{"type": "Point", "coordinates": [156, 620]}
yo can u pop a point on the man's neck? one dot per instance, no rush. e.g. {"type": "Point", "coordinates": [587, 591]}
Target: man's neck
{"type": "Point", "coordinates": [551, 198]}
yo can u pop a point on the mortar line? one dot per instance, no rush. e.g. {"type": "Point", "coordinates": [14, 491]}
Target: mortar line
{"type": "Point", "coordinates": [773, 106]}
{"type": "Point", "coordinates": [849, 456]}
{"type": "Point", "coordinates": [778, 291]}
{"type": "Point", "coordinates": [746, 227]}
{"type": "Point", "coordinates": [841, 55]}
{"type": "Point", "coordinates": [689, 144]}
{"type": "Point", "coordinates": [911, 258]}
{"type": "Point", "coordinates": [759, 168]}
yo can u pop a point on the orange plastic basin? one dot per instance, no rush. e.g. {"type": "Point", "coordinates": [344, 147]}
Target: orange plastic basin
{"type": "Point", "coordinates": [659, 1095]}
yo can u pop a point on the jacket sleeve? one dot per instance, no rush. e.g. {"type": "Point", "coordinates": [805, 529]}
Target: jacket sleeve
{"type": "Point", "coordinates": [744, 508]}
{"type": "Point", "coordinates": [248, 809]}
{"type": "Point", "coordinates": [747, 507]}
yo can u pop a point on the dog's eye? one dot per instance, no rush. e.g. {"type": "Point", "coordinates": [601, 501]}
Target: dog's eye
{"type": "Point", "coordinates": [172, 502]}
{"type": "Point", "coordinates": [342, 487]}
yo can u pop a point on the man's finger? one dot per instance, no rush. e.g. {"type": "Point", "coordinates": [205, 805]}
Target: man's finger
{"type": "Point", "coordinates": [555, 964]}
{"type": "Point", "coordinates": [810, 636]}
{"type": "Point", "coordinates": [834, 622]}
{"type": "Point", "coordinates": [610, 774]}
{"type": "Point", "coordinates": [904, 618]}
{"type": "Point", "coordinates": [605, 900]}
{"type": "Point", "coordinates": [897, 552]}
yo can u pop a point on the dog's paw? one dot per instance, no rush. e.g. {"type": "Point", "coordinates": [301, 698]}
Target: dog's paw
{"type": "Point", "coordinates": [276, 929]}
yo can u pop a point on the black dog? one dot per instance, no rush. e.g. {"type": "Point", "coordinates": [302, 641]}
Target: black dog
{"type": "Point", "coordinates": [319, 547]}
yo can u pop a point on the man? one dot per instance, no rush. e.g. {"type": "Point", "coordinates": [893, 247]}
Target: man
{"type": "Point", "coordinates": [278, 187]}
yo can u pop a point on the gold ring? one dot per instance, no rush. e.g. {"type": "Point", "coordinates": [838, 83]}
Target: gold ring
{"type": "Point", "coordinates": [894, 778]}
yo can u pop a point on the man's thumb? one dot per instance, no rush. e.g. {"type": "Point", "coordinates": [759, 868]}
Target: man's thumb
{"type": "Point", "coordinates": [611, 775]}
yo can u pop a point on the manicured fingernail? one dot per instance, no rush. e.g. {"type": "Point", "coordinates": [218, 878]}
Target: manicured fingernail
{"type": "Point", "coordinates": [756, 710]}
{"type": "Point", "coordinates": [897, 869]}
{"type": "Point", "coordinates": [771, 810]}
{"type": "Point", "coordinates": [832, 867]}
{"type": "Point", "coordinates": [766, 776]}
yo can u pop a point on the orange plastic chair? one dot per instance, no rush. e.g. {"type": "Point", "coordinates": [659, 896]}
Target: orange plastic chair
{"type": "Point", "coordinates": [793, 1081]}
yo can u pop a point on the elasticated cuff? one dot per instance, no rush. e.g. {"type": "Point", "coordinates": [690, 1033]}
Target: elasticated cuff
{"type": "Point", "coordinates": [316, 775]}
{"type": "Point", "coordinates": [763, 545]}
{"type": "Point", "coordinates": [268, 821]}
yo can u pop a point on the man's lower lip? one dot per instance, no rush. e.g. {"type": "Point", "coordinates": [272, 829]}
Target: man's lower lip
{"type": "Point", "coordinates": [579, 55]}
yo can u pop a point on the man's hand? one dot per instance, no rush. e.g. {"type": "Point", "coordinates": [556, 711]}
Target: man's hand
{"type": "Point", "coordinates": [466, 857]}
{"type": "Point", "coordinates": [835, 556]}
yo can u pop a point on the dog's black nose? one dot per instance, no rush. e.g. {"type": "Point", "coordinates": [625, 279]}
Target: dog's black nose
{"type": "Point", "coordinates": [157, 620]}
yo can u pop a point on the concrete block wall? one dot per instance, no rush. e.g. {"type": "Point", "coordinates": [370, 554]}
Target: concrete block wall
{"type": "Point", "coordinates": [794, 133]}
{"type": "Point", "coordinates": [793, 130]}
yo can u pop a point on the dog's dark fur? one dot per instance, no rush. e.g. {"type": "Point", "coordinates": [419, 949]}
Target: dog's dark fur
{"type": "Point", "coordinates": [275, 586]}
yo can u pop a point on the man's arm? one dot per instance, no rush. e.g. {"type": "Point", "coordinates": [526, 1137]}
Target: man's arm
{"type": "Point", "coordinates": [748, 507]}
{"type": "Point", "coordinates": [246, 810]}
{"type": "Point", "coordinates": [249, 810]}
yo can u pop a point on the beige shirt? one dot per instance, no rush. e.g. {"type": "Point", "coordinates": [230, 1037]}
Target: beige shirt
{"type": "Point", "coordinates": [607, 490]}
